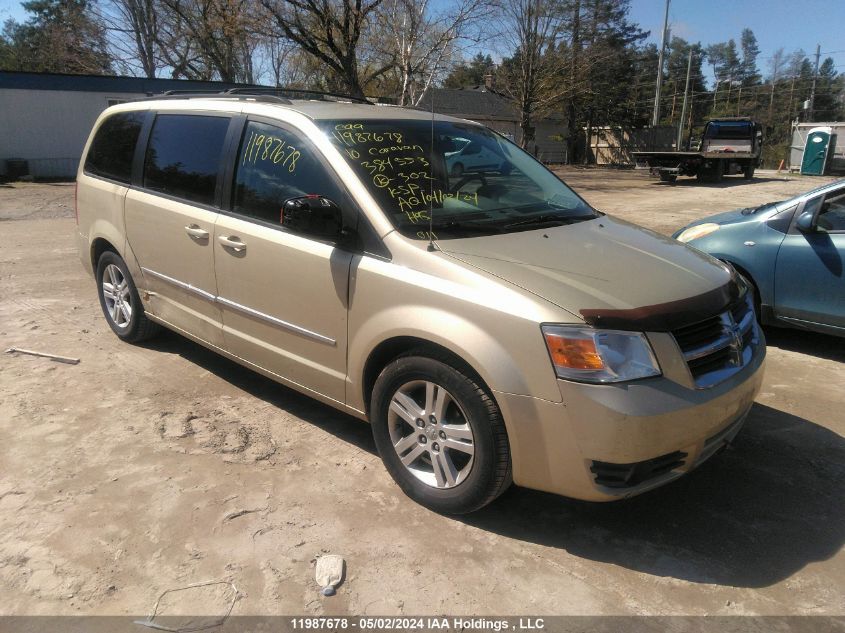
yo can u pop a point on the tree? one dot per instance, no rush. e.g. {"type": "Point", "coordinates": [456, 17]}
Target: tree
{"type": "Point", "coordinates": [748, 73]}
{"type": "Point", "coordinates": [137, 44]}
{"type": "Point", "coordinates": [776, 65]}
{"type": "Point", "coordinates": [422, 41]}
{"type": "Point", "coordinates": [675, 84]}
{"type": "Point", "coordinates": [331, 32]}
{"type": "Point", "coordinates": [470, 73]}
{"type": "Point", "coordinates": [726, 69]}
{"type": "Point", "coordinates": [61, 36]}
{"type": "Point", "coordinates": [531, 76]}
{"type": "Point", "coordinates": [607, 60]}
{"type": "Point", "coordinates": [828, 105]}
{"type": "Point", "coordinates": [207, 39]}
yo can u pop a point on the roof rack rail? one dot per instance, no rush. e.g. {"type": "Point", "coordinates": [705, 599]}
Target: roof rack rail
{"type": "Point", "coordinates": [208, 94]}
{"type": "Point", "coordinates": [295, 91]}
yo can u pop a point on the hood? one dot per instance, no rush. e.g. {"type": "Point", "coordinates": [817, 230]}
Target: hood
{"type": "Point", "coordinates": [739, 216]}
{"type": "Point", "coordinates": [607, 272]}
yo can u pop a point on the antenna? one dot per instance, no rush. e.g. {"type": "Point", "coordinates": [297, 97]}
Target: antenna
{"type": "Point", "coordinates": [431, 246]}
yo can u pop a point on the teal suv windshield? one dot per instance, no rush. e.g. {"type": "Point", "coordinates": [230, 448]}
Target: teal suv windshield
{"type": "Point", "coordinates": [461, 179]}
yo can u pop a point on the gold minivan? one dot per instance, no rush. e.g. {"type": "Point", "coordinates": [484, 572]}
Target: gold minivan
{"type": "Point", "coordinates": [423, 273]}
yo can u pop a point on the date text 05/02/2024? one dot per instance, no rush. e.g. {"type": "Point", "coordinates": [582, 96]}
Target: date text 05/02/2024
{"type": "Point", "coordinates": [405, 623]}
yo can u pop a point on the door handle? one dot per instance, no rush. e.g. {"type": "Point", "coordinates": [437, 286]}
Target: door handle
{"type": "Point", "coordinates": [233, 242]}
{"type": "Point", "coordinates": [196, 232]}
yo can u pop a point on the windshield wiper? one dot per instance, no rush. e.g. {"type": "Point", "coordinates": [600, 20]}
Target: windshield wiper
{"type": "Point", "coordinates": [466, 225]}
{"type": "Point", "coordinates": [544, 218]}
{"type": "Point", "coordinates": [751, 210]}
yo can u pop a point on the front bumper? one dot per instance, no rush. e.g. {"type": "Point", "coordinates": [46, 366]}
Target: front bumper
{"type": "Point", "coordinates": [607, 442]}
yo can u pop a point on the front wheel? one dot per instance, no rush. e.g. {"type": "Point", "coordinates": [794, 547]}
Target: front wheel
{"type": "Point", "coordinates": [440, 434]}
{"type": "Point", "coordinates": [120, 301]}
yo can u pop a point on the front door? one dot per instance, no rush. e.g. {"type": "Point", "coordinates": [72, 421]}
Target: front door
{"type": "Point", "coordinates": [284, 295]}
{"type": "Point", "coordinates": [170, 221]}
{"type": "Point", "coordinates": [809, 275]}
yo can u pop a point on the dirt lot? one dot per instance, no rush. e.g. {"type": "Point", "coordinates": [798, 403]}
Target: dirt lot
{"type": "Point", "coordinates": [154, 467]}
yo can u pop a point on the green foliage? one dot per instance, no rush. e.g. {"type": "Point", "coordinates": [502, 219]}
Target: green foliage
{"type": "Point", "coordinates": [470, 73]}
{"type": "Point", "coordinates": [748, 73]}
{"type": "Point", "coordinates": [60, 36]}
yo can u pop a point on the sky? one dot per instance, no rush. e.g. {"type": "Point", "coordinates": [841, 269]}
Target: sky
{"type": "Point", "coordinates": [791, 24]}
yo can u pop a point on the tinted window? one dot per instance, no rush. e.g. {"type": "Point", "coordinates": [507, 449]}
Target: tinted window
{"type": "Point", "coordinates": [729, 130]}
{"type": "Point", "coordinates": [183, 156]}
{"type": "Point", "coordinates": [275, 165]}
{"type": "Point", "coordinates": [113, 147]}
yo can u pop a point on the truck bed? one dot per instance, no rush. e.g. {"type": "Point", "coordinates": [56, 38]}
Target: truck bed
{"type": "Point", "coordinates": [695, 154]}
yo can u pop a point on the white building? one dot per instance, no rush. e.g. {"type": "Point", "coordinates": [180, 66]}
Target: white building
{"type": "Point", "coordinates": [45, 118]}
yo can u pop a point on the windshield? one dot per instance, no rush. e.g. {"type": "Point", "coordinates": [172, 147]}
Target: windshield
{"type": "Point", "coordinates": [473, 181]}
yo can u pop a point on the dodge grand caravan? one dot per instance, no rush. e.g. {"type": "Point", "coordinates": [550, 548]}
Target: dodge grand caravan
{"type": "Point", "coordinates": [490, 324]}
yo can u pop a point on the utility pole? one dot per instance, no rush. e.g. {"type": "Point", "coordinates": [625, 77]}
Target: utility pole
{"type": "Point", "coordinates": [813, 89]}
{"type": "Point", "coordinates": [684, 106]}
{"type": "Point", "coordinates": [656, 115]}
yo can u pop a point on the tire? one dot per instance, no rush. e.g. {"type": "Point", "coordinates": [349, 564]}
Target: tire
{"type": "Point", "coordinates": [457, 170]}
{"type": "Point", "coordinates": [454, 467]}
{"type": "Point", "coordinates": [748, 171]}
{"type": "Point", "coordinates": [123, 310]}
{"type": "Point", "coordinates": [714, 174]}
{"type": "Point", "coordinates": [664, 177]}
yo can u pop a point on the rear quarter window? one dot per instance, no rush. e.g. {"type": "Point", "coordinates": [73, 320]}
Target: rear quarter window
{"type": "Point", "coordinates": [183, 155]}
{"type": "Point", "coordinates": [111, 151]}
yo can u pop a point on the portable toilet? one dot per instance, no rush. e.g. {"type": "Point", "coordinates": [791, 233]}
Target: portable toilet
{"type": "Point", "coordinates": [814, 159]}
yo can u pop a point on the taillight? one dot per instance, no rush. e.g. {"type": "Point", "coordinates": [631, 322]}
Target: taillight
{"type": "Point", "coordinates": [76, 202]}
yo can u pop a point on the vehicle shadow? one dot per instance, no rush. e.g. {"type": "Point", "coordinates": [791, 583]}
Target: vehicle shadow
{"type": "Point", "coordinates": [345, 427]}
{"type": "Point", "coordinates": [805, 342]}
{"type": "Point", "coordinates": [750, 517]}
{"type": "Point", "coordinates": [728, 181]}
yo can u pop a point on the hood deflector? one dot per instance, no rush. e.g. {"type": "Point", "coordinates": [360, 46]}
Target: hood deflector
{"type": "Point", "coordinates": [665, 317]}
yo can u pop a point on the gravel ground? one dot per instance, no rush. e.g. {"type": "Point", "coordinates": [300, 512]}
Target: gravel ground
{"type": "Point", "coordinates": [151, 467]}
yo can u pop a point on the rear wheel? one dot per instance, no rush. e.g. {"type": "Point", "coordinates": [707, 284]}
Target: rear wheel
{"type": "Point", "coordinates": [748, 171]}
{"type": "Point", "coordinates": [440, 434]}
{"type": "Point", "coordinates": [120, 301]}
{"type": "Point", "coordinates": [667, 177]}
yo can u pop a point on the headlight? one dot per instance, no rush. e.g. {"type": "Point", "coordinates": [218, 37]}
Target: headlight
{"type": "Point", "coordinates": [589, 355]}
{"type": "Point", "coordinates": [697, 231]}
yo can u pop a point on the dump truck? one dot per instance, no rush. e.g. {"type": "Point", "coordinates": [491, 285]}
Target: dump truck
{"type": "Point", "coordinates": [728, 146]}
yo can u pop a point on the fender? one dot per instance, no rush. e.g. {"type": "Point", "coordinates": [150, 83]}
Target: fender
{"type": "Point", "coordinates": [478, 347]}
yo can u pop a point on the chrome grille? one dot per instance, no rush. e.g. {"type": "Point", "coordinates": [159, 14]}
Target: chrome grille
{"type": "Point", "coordinates": [718, 347]}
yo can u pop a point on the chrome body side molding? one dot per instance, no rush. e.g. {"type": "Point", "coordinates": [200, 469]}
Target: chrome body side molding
{"type": "Point", "coordinates": [291, 327]}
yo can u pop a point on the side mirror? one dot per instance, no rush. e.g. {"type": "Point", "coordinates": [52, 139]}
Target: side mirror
{"type": "Point", "coordinates": [313, 215]}
{"type": "Point", "coordinates": [806, 222]}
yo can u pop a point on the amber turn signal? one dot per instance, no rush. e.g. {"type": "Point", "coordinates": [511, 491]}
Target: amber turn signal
{"type": "Point", "coordinates": [574, 353]}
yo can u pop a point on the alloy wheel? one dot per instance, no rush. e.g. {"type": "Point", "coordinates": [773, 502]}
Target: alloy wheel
{"type": "Point", "coordinates": [117, 297]}
{"type": "Point", "coordinates": [431, 434]}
